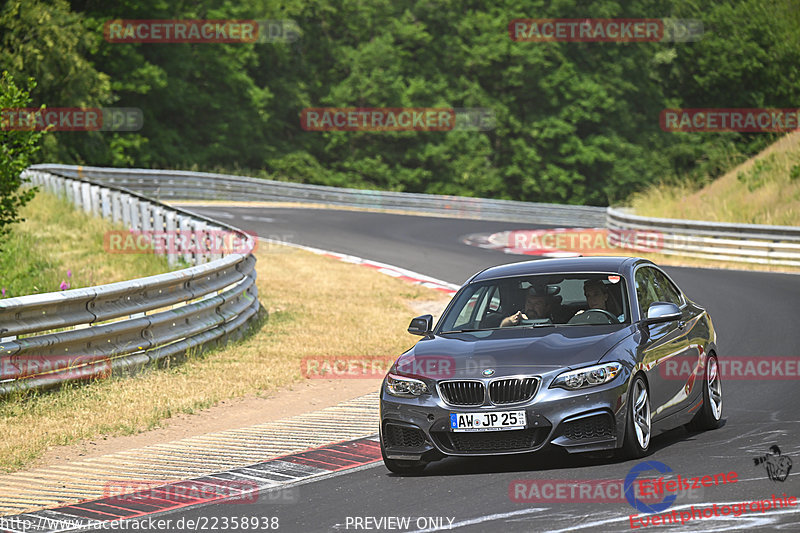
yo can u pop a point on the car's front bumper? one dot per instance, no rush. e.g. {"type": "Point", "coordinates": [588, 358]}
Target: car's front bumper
{"type": "Point", "coordinates": [577, 421]}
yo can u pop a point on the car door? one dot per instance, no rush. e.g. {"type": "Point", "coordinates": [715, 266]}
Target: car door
{"type": "Point", "coordinates": [662, 342]}
{"type": "Point", "coordinates": [694, 339]}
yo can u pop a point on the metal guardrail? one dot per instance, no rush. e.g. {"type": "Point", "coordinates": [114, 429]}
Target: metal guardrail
{"type": "Point", "coordinates": [752, 243]}
{"type": "Point", "coordinates": [123, 327]}
{"type": "Point", "coordinates": [748, 243]}
{"type": "Point", "coordinates": [184, 185]}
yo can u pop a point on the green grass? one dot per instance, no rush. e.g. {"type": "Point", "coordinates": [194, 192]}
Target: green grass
{"type": "Point", "coordinates": [57, 243]}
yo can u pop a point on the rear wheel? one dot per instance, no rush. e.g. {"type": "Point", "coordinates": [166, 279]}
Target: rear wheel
{"type": "Point", "coordinates": [638, 425]}
{"type": "Point", "coordinates": [402, 467]}
{"type": "Point", "coordinates": [710, 414]}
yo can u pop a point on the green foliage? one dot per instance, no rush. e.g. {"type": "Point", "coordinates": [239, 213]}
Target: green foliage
{"type": "Point", "coordinates": [758, 175]}
{"type": "Point", "coordinates": [35, 273]}
{"type": "Point", "coordinates": [47, 41]}
{"type": "Point", "coordinates": [575, 122]}
{"type": "Point", "coordinates": [16, 150]}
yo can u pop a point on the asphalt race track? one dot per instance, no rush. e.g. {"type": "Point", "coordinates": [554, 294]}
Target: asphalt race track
{"type": "Point", "coordinates": [755, 314]}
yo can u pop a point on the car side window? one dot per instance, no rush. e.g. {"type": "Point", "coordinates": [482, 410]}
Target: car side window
{"type": "Point", "coordinates": [494, 301]}
{"type": "Point", "coordinates": [665, 289]}
{"type": "Point", "coordinates": [467, 314]}
{"type": "Point", "coordinates": [646, 292]}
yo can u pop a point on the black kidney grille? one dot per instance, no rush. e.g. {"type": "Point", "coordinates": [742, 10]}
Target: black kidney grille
{"type": "Point", "coordinates": [512, 390]}
{"type": "Point", "coordinates": [462, 392]}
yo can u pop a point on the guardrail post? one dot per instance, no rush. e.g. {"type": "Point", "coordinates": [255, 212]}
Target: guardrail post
{"type": "Point", "coordinates": [69, 192]}
{"type": "Point", "coordinates": [60, 187]}
{"type": "Point", "coordinates": [158, 229]}
{"type": "Point", "coordinates": [144, 217]}
{"type": "Point", "coordinates": [76, 193]}
{"type": "Point", "coordinates": [171, 248]}
{"type": "Point", "coordinates": [203, 240]}
{"type": "Point", "coordinates": [125, 199]}
{"type": "Point", "coordinates": [116, 206]}
{"type": "Point", "coordinates": [215, 243]}
{"type": "Point", "coordinates": [86, 197]}
{"type": "Point", "coordinates": [134, 213]}
{"type": "Point", "coordinates": [187, 240]}
{"type": "Point", "coordinates": [94, 192]}
{"type": "Point", "coordinates": [105, 203]}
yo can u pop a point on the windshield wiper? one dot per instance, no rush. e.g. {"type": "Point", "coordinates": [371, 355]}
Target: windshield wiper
{"type": "Point", "coordinates": [547, 325]}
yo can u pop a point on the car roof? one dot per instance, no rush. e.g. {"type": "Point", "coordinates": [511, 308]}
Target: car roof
{"type": "Point", "coordinates": [619, 265]}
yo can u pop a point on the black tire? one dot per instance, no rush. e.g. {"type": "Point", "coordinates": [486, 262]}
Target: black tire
{"type": "Point", "coordinates": [403, 468]}
{"type": "Point", "coordinates": [710, 414]}
{"type": "Point", "coordinates": [634, 444]}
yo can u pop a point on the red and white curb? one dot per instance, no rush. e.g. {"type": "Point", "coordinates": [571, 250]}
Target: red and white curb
{"type": "Point", "coordinates": [240, 485]}
{"type": "Point", "coordinates": [501, 241]}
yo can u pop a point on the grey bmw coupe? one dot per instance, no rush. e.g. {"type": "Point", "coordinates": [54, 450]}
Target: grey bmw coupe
{"type": "Point", "coordinates": [578, 353]}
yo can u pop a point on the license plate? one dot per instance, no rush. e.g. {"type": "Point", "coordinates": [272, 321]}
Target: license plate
{"type": "Point", "coordinates": [489, 421]}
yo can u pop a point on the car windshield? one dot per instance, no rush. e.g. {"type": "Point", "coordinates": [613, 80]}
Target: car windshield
{"type": "Point", "coordinates": [539, 301]}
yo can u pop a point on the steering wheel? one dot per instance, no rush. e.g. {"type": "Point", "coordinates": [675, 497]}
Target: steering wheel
{"type": "Point", "coordinates": [587, 317]}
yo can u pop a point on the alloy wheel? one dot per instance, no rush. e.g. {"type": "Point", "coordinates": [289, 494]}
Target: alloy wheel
{"type": "Point", "coordinates": [641, 414]}
{"type": "Point", "coordinates": [714, 385]}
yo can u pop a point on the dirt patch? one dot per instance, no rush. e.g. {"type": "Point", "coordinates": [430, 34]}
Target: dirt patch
{"type": "Point", "coordinates": [426, 307]}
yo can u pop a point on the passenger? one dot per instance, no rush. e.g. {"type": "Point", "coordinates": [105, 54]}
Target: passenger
{"type": "Point", "coordinates": [537, 305]}
{"type": "Point", "coordinates": [596, 293]}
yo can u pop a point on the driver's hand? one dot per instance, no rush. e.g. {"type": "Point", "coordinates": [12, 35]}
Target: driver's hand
{"type": "Point", "coordinates": [514, 319]}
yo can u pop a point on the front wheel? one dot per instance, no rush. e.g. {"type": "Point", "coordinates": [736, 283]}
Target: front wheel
{"type": "Point", "coordinates": [638, 426]}
{"type": "Point", "coordinates": [710, 414]}
{"type": "Point", "coordinates": [403, 468]}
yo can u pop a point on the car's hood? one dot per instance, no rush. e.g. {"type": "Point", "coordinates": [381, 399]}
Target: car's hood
{"type": "Point", "coordinates": [507, 352]}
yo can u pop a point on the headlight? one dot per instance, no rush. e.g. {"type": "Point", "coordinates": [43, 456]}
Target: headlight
{"type": "Point", "coordinates": [587, 377]}
{"type": "Point", "coordinates": [405, 387]}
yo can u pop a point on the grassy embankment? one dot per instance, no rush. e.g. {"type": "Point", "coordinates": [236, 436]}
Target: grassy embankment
{"type": "Point", "coordinates": [763, 190]}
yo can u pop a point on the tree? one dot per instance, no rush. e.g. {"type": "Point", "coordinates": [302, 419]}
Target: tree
{"type": "Point", "coordinates": [16, 149]}
{"type": "Point", "coordinates": [47, 41]}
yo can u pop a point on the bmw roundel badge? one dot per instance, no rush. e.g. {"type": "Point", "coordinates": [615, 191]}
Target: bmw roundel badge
{"type": "Point", "coordinates": [488, 372]}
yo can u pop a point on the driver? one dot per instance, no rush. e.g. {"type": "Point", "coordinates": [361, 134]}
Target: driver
{"type": "Point", "coordinates": [596, 294]}
{"type": "Point", "coordinates": [537, 305]}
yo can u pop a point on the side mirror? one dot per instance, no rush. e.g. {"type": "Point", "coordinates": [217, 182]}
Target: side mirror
{"type": "Point", "coordinates": [422, 325]}
{"type": "Point", "coordinates": [662, 312]}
